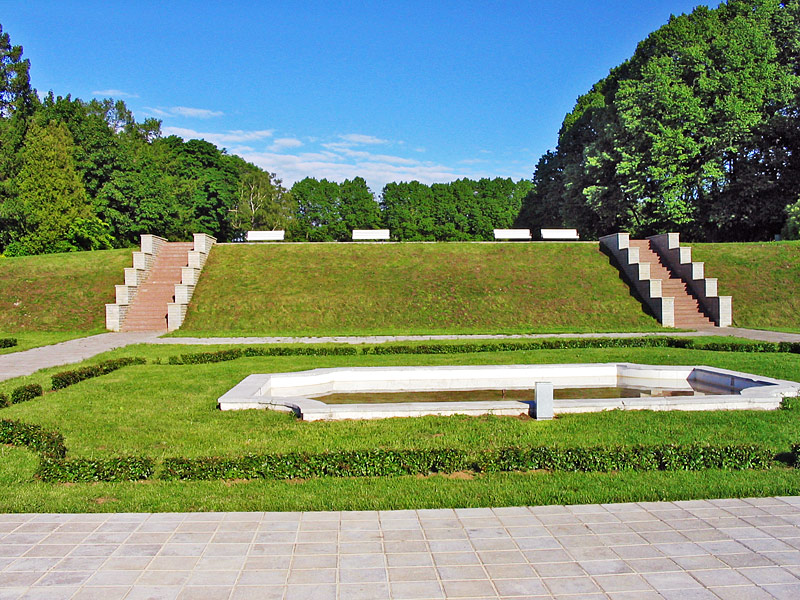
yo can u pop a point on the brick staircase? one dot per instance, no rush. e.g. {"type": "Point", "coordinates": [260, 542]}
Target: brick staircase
{"type": "Point", "coordinates": [687, 309]}
{"type": "Point", "coordinates": [148, 312]}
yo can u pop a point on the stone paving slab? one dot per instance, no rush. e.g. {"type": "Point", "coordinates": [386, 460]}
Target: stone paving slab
{"type": "Point", "coordinates": [719, 549]}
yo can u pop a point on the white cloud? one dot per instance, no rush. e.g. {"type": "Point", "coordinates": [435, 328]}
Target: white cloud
{"type": "Point", "coordinates": [377, 169]}
{"type": "Point", "coordinates": [220, 139]}
{"type": "Point", "coordinates": [361, 139]}
{"type": "Point", "coordinates": [335, 161]}
{"type": "Point", "coordinates": [282, 143]}
{"type": "Point", "coordinates": [197, 113]}
{"type": "Point", "coordinates": [183, 111]}
{"type": "Point", "coordinates": [112, 93]}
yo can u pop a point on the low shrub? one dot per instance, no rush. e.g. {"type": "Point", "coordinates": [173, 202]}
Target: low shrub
{"type": "Point", "coordinates": [127, 468]}
{"type": "Point", "coordinates": [197, 358]}
{"type": "Point", "coordinates": [8, 342]}
{"type": "Point", "coordinates": [34, 437]}
{"type": "Point", "coordinates": [381, 463]}
{"type": "Point", "coordinates": [4, 401]}
{"type": "Point", "coordinates": [25, 393]}
{"type": "Point", "coordinates": [67, 378]}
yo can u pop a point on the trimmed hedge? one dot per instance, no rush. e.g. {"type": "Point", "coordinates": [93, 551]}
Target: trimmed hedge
{"type": "Point", "coordinates": [67, 378]}
{"type": "Point", "coordinates": [198, 358]}
{"type": "Point", "coordinates": [126, 468]}
{"type": "Point", "coordinates": [506, 346]}
{"type": "Point", "coordinates": [47, 443]}
{"type": "Point", "coordinates": [381, 463]}
{"type": "Point", "coordinates": [8, 342]}
{"type": "Point", "coordinates": [25, 393]}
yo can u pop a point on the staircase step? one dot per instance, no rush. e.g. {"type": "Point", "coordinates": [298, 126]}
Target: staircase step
{"type": "Point", "coordinates": [687, 311]}
{"type": "Point", "coordinates": [149, 309]}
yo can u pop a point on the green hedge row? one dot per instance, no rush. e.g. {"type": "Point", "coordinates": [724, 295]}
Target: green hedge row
{"type": "Point", "coordinates": [127, 468]}
{"type": "Point", "coordinates": [21, 394]}
{"type": "Point", "coordinates": [47, 443]}
{"type": "Point", "coordinates": [8, 342]}
{"type": "Point", "coordinates": [380, 463]}
{"type": "Point", "coordinates": [506, 346]}
{"type": "Point", "coordinates": [197, 358]}
{"type": "Point", "coordinates": [67, 378]}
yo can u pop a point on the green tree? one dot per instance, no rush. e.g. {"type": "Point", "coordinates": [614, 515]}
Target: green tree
{"type": "Point", "coordinates": [50, 197]}
{"type": "Point", "coordinates": [263, 203]}
{"type": "Point", "coordinates": [692, 134]}
{"type": "Point", "coordinates": [16, 94]}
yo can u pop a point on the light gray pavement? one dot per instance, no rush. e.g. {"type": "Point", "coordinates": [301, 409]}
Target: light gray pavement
{"type": "Point", "coordinates": [17, 364]}
{"type": "Point", "coordinates": [715, 549]}
{"type": "Point", "coordinates": [27, 362]}
{"type": "Point", "coordinates": [382, 339]}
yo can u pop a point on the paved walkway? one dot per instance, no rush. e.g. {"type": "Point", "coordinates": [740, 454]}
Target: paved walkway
{"type": "Point", "coordinates": [17, 364]}
{"type": "Point", "coordinates": [27, 362]}
{"type": "Point", "coordinates": [716, 549]}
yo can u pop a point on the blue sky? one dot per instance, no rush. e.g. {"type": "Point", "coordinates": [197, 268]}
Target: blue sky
{"type": "Point", "coordinates": [391, 91]}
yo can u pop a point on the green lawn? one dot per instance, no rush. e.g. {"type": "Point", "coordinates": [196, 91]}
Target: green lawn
{"type": "Point", "coordinates": [162, 410]}
{"type": "Point", "coordinates": [410, 288]}
{"type": "Point", "coordinates": [762, 277]}
{"type": "Point", "coordinates": [58, 293]}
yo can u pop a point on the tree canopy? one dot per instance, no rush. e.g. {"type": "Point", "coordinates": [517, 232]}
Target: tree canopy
{"type": "Point", "coordinates": [696, 133]}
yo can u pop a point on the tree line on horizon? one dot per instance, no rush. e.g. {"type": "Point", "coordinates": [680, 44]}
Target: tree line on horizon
{"type": "Point", "coordinates": [698, 132]}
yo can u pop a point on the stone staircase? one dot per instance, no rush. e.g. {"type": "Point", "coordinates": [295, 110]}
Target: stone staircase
{"type": "Point", "coordinates": [148, 312]}
{"type": "Point", "coordinates": [687, 311]}
{"type": "Point", "coordinates": [668, 282]}
{"type": "Point", "coordinates": [160, 284]}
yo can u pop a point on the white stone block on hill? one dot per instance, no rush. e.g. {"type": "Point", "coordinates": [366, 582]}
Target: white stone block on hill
{"type": "Point", "coordinates": [370, 234]}
{"type": "Point", "coordinates": [265, 236]}
{"type": "Point", "coordinates": [512, 234]}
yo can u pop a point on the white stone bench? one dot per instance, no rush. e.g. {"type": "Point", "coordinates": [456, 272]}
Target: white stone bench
{"type": "Point", "coordinates": [512, 234]}
{"type": "Point", "coordinates": [560, 234]}
{"type": "Point", "coordinates": [265, 236]}
{"type": "Point", "coordinates": [370, 234]}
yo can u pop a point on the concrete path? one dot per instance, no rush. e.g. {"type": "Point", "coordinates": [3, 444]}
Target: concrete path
{"type": "Point", "coordinates": [716, 549]}
{"type": "Point", "coordinates": [382, 339]}
{"type": "Point", "coordinates": [762, 335]}
{"type": "Point", "coordinates": [17, 364]}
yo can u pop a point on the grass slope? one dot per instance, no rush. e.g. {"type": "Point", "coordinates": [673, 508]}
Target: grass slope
{"type": "Point", "coordinates": [351, 289]}
{"type": "Point", "coordinates": [763, 279]}
{"type": "Point", "coordinates": [58, 293]}
{"type": "Point", "coordinates": [162, 410]}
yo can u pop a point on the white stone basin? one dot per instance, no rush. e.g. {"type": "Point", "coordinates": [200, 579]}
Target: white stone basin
{"type": "Point", "coordinates": [296, 392]}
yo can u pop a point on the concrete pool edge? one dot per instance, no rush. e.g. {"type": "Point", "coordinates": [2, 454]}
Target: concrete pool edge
{"type": "Point", "coordinates": [295, 392]}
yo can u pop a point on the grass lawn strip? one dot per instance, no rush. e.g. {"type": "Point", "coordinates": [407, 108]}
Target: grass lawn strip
{"type": "Point", "coordinates": [762, 277]}
{"type": "Point", "coordinates": [410, 288]}
{"type": "Point", "coordinates": [162, 410]}
{"type": "Point", "coordinates": [59, 293]}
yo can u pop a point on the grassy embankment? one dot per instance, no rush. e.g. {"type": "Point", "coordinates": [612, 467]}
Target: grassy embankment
{"type": "Point", "coordinates": [403, 289]}
{"type": "Point", "coordinates": [162, 410]}
{"type": "Point", "coordinates": [54, 297]}
{"type": "Point", "coordinates": [763, 279]}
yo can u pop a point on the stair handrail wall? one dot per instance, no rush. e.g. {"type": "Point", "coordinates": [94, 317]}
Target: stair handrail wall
{"type": "Point", "coordinates": [679, 261]}
{"type": "Point", "coordinates": [176, 311]}
{"type": "Point", "coordinates": [149, 247]}
{"type": "Point", "coordinates": [637, 276]}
